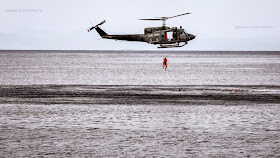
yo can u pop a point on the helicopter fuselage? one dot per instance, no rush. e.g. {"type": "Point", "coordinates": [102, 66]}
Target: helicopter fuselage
{"type": "Point", "coordinates": [153, 35]}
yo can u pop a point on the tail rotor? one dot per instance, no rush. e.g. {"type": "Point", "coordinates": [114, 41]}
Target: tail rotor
{"type": "Point", "coordinates": [96, 26]}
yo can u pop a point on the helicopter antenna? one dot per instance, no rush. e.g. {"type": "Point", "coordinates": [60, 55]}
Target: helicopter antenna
{"type": "Point", "coordinates": [163, 19]}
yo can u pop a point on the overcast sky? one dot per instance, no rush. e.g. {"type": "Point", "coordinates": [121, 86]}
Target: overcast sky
{"type": "Point", "coordinates": [62, 24]}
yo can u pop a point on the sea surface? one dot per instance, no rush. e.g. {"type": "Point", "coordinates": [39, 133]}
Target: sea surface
{"type": "Point", "coordinates": [139, 68]}
{"type": "Point", "coordinates": [124, 104]}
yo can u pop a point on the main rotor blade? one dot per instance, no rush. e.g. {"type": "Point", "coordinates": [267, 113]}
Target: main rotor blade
{"type": "Point", "coordinates": [178, 15]}
{"type": "Point", "coordinates": [149, 19]}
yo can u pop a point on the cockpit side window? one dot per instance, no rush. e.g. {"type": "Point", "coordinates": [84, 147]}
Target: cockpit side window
{"type": "Point", "coordinates": [148, 30]}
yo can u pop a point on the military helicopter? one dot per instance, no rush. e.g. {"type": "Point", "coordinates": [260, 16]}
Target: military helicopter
{"type": "Point", "coordinates": [153, 35]}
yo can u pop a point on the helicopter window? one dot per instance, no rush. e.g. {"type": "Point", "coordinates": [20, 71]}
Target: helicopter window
{"type": "Point", "coordinates": [155, 29]}
{"type": "Point", "coordinates": [148, 30]}
{"type": "Point", "coordinates": [156, 34]}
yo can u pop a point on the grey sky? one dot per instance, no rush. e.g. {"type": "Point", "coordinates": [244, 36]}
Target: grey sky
{"type": "Point", "coordinates": [218, 24]}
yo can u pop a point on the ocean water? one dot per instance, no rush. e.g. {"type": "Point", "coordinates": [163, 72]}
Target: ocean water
{"type": "Point", "coordinates": [124, 104]}
{"type": "Point", "coordinates": [139, 68]}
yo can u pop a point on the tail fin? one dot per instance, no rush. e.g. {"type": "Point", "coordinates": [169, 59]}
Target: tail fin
{"type": "Point", "coordinates": [100, 31]}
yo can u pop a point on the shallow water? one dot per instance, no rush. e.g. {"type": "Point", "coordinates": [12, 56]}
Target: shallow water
{"type": "Point", "coordinates": [140, 130]}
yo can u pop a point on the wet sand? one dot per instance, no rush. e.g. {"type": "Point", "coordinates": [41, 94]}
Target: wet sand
{"type": "Point", "coordinates": [141, 121]}
{"type": "Point", "coordinates": [170, 95]}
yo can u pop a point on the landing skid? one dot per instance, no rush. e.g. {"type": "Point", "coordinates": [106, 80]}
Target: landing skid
{"type": "Point", "coordinates": [172, 45]}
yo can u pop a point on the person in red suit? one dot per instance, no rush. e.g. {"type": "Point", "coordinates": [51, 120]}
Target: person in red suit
{"type": "Point", "coordinates": [164, 63]}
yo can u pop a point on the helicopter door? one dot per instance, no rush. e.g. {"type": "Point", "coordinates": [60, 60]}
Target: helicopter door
{"type": "Point", "coordinates": [154, 37]}
{"type": "Point", "coordinates": [163, 37]}
{"type": "Point", "coordinates": [169, 35]}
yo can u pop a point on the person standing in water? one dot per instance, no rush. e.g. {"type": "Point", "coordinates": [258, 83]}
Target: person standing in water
{"type": "Point", "coordinates": [164, 63]}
